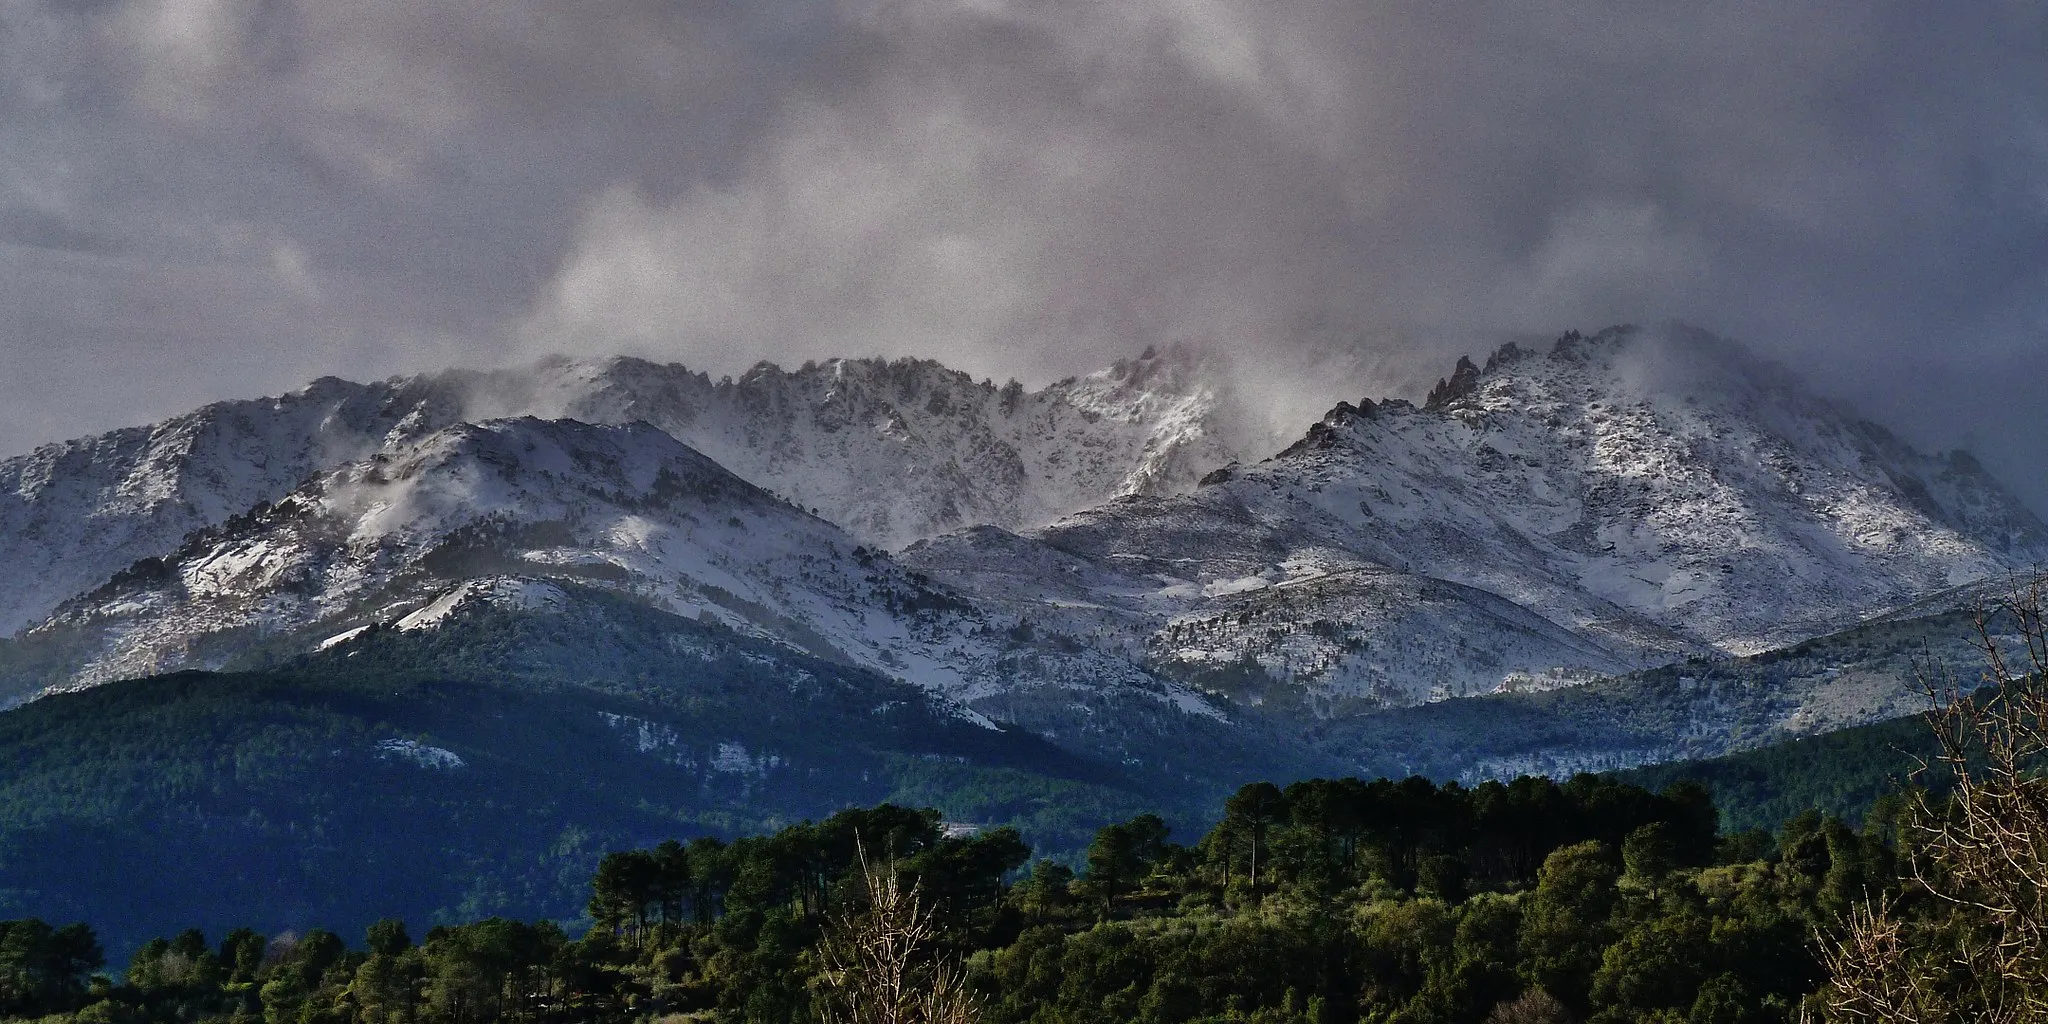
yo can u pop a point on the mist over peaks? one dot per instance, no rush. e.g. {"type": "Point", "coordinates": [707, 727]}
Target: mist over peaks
{"type": "Point", "coordinates": [213, 197]}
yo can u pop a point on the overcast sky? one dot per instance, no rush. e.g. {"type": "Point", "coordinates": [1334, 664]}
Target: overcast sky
{"type": "Point", "coordinates": [216, 198]}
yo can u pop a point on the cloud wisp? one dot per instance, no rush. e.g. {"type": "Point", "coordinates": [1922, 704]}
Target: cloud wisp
{"type": "Point", "coordinates": [207, 197]}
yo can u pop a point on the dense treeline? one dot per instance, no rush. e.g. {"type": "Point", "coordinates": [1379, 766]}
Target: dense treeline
{"type": "Point", "coordinates": [1325, 902]}
{"type": "Point", "coordinates": [287, 795]}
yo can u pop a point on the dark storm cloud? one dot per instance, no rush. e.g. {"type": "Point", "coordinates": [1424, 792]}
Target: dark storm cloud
{"type": "Point", "coordinates": [209, 197]}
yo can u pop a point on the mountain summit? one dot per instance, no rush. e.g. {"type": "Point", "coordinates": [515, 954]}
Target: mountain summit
{"type": "Point", "coordinates": [1620, 500]}
{"type": "Point", "coordinates": [890, 451]}
{"type": "Point", "coordinates": [896, 451]}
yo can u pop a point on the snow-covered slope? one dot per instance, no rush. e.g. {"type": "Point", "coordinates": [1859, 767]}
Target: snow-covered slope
{"type": "Point", "coordinates": [891, 451]}
{"type": "Point", "coordinates": [1615, 503]}
{"type": "Point", "coordinates": [1664, 473]}
{"type": "Point", "coordinates": [493, 511]}
{"type": "Point", "coordinates": [1697, 708]}
{"type": "Point", "coordinates": [1633, 496]}
{"type": "Point", "coordinates": [906, 449]}
{"type": "Point", "coordinates": [626, 504]}
{"type": "Point", "coordinates": [74, 513]}
{"type": "Point", "coordinates": [1227, 607]}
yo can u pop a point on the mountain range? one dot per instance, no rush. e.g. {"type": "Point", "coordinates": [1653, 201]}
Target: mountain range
{"type": "Point", "coordinates": [892, 451]}
{"type": "Point", "coordinates": [505, 620]}
{"type": "Point", "coordinates": [1622, 501]}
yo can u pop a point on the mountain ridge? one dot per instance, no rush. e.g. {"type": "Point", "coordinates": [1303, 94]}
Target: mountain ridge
{"type": "Point", "coordinates": [1624, 500]}
{"type": "Point", "coordinates": [1730, 514]}
{"type": "Point", "coordinates": [509, 512]}
{"type": "Point", "coordinates": [74, 513]}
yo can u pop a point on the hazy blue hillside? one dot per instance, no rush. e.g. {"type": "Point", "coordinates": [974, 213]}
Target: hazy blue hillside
{"type": "Point", "coordinates": [440, 775]}
{"type": "Point", "coordinates": [1696, 709]}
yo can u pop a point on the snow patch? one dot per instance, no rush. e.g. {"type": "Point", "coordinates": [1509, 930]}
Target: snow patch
{"type": "Point", "coordinates": [341, 638]}
{"type": "Point", "coordinates": [438, 758]}
{"type": "Point", "coordinates": [732, 758]}
{"type": "Point", "coordinates": [523, 595]}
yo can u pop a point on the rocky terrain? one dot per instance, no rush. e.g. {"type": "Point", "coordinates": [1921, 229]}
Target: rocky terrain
{"type": "Point", "coordinates": [890, 451]}
{"type": "Point", "coordinates": [1618, 502]}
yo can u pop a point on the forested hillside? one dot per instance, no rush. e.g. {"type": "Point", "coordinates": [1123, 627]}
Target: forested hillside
{"type": "Point", "coordinates": [437, 781]}
{"type": "Point", "coordinates": [1324, 902]}
{"type": "Point", "coordinates": [444, 775]}
{"type": "Point", "coordinates": [1842, 774]}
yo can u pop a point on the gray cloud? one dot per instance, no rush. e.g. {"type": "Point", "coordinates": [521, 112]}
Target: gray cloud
{"type": "Point", "coordinates": [210, 197]}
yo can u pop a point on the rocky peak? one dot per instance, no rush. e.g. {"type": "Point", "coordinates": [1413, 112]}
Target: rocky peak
{"type": "Point", "coordinates": [1463, 381]}
{"type": "Point", "coordinates": [1507, 354]}
{"type": "Point", "coordinates": [1327, 432]}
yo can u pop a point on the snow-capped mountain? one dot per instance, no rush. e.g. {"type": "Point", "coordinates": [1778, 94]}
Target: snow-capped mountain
{"type": "Point", "coordinates": [892, 451]}
{"type": "Point", "coordinates": [1612, 504]}
{"type": "Point", "coordinates": [1618, 501]}
{"type": "Point", "coordinates": [898, 451]}
{"type": "Point", "coordinates": [383, 534]}
{"type": "Point", "coordinates": [506, 511]}
{"type": "Point", "coordinates": [72, 514]}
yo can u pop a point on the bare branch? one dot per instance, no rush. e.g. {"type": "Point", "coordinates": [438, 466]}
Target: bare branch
{"type": "Point", "coordinates": [1976, 855]}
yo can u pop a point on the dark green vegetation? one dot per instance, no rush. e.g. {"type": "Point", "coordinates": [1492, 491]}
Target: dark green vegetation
{"type": "Point", "coordinates": [1842, 774]}
{"type": "Point", "coordinates": [447, 775]}
{"type": "Point", "coordinates": [1328, 901]}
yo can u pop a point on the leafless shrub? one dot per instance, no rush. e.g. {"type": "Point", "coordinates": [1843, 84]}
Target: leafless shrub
{"type": "Point", "coordinates": [1968, 940]}
{"type": "Point", "coordinates": [882, 965]}
{"type": "Point", "coordinates": [1532, 1007]}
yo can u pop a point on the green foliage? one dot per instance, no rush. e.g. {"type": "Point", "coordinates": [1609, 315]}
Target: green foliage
{"type": "Point", "coordinates": [309, 791]}
{"type": "Point", "coordinates": [1122, 855]}
{"type": "Point", "coordinates": [1376, 901]}
{"type": "Point", "coordinates": [1843, 774]}
{"type": "Point", "coordinates": [43, 969]}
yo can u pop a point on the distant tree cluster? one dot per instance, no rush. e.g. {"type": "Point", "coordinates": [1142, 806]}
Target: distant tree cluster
{"type": "Point", "coordinates": [45, 970]}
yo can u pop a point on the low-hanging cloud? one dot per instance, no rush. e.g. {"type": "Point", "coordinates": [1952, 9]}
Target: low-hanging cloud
{"type": "Point", "coordinates": [209, 197]}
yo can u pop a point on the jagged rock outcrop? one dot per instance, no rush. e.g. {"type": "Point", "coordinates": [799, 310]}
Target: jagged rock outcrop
{"type": "Point", "coordinates": [1462, 381]}
{"type": "Point", "coordinates": [889, 450]}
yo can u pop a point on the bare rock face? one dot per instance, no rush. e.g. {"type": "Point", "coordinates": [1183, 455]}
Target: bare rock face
{"type": "Point", "coordinates": [1462, 381]}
